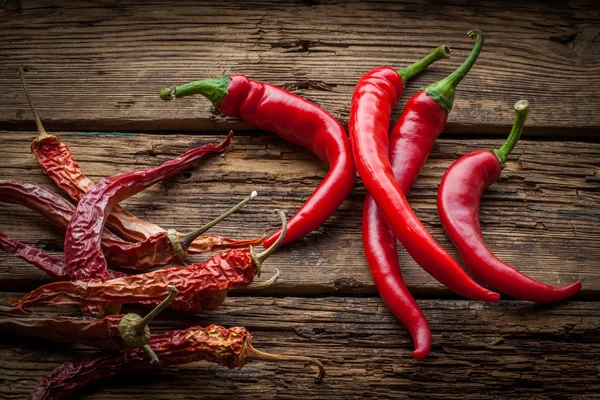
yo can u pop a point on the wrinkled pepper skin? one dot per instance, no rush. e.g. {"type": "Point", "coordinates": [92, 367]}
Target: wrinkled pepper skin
{"type": "Point", "coordinates": [103, 333]}
{"type": "Point", "coordinates": [458, 206]}
{"type": "Point", "coordinates": [303, 123]}
{"type": "Point", "coordinates": [83, 240]}
{"type": "Point", "coordinates": [213, 343]}
{"type": "Point", "coordinates": [198, 285]}
{"type": "Point", "coordinates": [375, 94]}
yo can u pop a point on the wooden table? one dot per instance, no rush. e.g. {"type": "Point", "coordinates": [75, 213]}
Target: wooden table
{"type": "Point", "coordinates": [95, 69]}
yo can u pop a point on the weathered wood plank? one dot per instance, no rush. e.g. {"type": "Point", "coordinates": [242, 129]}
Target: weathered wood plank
{"type": "Point", "coordinates": [506, 350]}
{"type": "Point", "coordinates": [100, 65]}
{"type": "Point", "coordinates": [543, 216]}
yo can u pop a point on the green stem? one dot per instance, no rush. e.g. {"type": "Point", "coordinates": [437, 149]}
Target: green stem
{"type": "Point", "coordinates": [213, 89]}
{"type": "Point", "coordinates": [158, 309]}
{"type": "Point", "coordinates": [415, 69]}
{"type": "Point", "coordinates": [443, 91]}
{"type": "Point", "coordinates": [521, 110]}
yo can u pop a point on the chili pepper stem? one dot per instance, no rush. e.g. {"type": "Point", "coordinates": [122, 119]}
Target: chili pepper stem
{"type": "Point", "coordinates": [214, 89]}
{"type": "Point", "coordinates": [40, 128]}
{"type": "Point", "coordinates": [443, 90]}
{"type": "Point", "coordinates": [187, 240]}
{"type": "Point", "coordinates": [521, 110]}
{"type": "Point", "coordinates": [260, 285]}
{"type": "Point", "coordinates": [134, 329]}
{"type": "Point", "coordinates": [259, 258]}
{"type": "Point", "coordinates": [253, 354]}
{"type": "Point", "coordinates": [412, 70]}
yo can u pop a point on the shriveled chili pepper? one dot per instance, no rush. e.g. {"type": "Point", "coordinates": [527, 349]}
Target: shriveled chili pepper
{"type": "Point", "coordinates": [115, 332]}
{"type": "Point", "coordinates": [199, 285]}
{"type": "Point", "coordinates": [295, 119]}
{"type": "Point", "coordinates": [55, 267]}
{"type": "Point", "coordinates": [83, 240]}
{"type": "Point", "coordinates": [458, 205]}
{"type": "Point", "coordinates": [58, 163]}
{"type": "Point", "coordinates": [375, 94]}
{"type": "Point", "coordinates": [231, 348]}
{"type": "Point", "coordinates": [152, 252]}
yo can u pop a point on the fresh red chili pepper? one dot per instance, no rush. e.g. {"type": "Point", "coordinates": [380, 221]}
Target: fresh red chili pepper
{"type": "Point", "coordinates": [58, 163]}
{"type": "Point", "coordinates": [199, 285]}
{"type": "Point", "coordinates": [295, 119]}
{"type": "Point", "coordinates": [83, 240]}
{"type": "Point", "coordinates": [375, 94]}
{"type": "Point", "coordinates": [114, 332]}
{"type": "Point", "coordinates": [458, 205]}
{"type": "Point", "coordinates": [231, 348]}
{"type": "Point", "coordinates": [407, 156]}
{"type": "Point", "coordinates": [156, 251]}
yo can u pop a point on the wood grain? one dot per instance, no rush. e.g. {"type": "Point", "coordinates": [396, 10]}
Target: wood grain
{"type": "Point", "coordinates": [543, 216]}
{"type": "Point", "coordinates": [507, 350]}
{"type": "Point", "coordinates": [99, 65]}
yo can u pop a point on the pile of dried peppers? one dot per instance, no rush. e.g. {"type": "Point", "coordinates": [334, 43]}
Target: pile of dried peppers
{"type": "Point", "coordinates": [113, 258]}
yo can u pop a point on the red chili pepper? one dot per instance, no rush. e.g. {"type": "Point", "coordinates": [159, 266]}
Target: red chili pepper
{"type": "Point", "coordinates": [114, 332]}
{"type": "Point", "coordinates": [156, 251]}
{"type": "Point", "coordinates": [199, 285]}
{"type": "Point", "coordinates": [375, 94]}
{"type": "Point", "coordinates": [231, 348]}
{"type": "Point", "coordinates": [83, 240]}
{"type": "Point", "coordinates": [458, 205]}
{"type": "Point", "coordinates": [295, 119]}
{"type": "Point", "coordinates": [58, 163]}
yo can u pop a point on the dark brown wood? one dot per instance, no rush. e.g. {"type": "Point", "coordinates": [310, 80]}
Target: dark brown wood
{"type": "Point", "coordinates": [100, 66]}
{"type": "Point", "coordinates": [543, 216]}
{"type": "Point", "coordinates": [506, 350]}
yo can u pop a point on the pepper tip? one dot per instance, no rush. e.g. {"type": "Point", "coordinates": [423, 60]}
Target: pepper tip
{"type": "Point", "coordinates": [168, 93]}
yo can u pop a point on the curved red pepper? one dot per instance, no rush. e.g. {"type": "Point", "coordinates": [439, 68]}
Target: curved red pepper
{"type": "Point", "coordinates": [375, 94]}
{"type": "Point", "coordinates": [295, 119]}
{"type": "Point", "coordinates": [458, 205]}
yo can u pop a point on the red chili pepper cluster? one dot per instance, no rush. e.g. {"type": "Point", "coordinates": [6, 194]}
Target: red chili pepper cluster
{"type": "Point", "coordinates": [100, 234]}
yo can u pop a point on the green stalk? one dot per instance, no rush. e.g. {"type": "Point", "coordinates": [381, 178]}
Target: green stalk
{"type": "Point", "coordinates": [213, 89]}
{"type": "Point", "coordinates": [443, 91]}
{"type": "Point", "coordinates": [415, 69]}
{"type": "Point", "coordinates": [521, 110]}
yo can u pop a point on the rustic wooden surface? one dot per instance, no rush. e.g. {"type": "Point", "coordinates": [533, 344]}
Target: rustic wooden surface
{"type": "Point", "coordinates": [94, 70]}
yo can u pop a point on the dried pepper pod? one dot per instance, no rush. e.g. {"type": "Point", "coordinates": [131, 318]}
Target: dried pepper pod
{"type": "Point", "coordinates": [58, 163]}
{"type": "Point", "coordinates": [83, 240]}
{"type": "Point", "coordinates": [199, 285]}
{"type": "Point", "coordinates": [114, 332]}
{"type": "Point", "coordinates": [231, 348]}
{"type": "Point", "coordinates": [152, 252]}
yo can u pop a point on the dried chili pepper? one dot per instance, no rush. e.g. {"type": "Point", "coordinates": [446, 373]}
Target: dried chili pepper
{"type": "Point", "coordinates": [231, 348]}
{"type": "Point", "coordinates": [458, 205]}
{"type": "Point", "coordinates": [58, 163]}
{"type": "Point", "coordinates": [152, 252]}
{"type": "Point", "coordinates": [295, 119]}
{"type": "Point", "coordinates": [83, 240]}
{"type": "Point", "coordinates": [375, 94]}
{"type": "Point", "coordinates": [55, 267]}
{"type": "Point", "coordinates": [199, 285]}
{"type": "Point", "coordinates": [115, 332]}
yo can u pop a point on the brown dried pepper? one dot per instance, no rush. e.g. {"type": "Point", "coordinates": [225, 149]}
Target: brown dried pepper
{"type": "Point", "coordinates": [113, 332]}
{"type": "Point", "coordinates": [139, 256]}
{"type": "Point", "coordinates": [200, 286]}
{"type": "Point", "coordinates": [58, 163]}
{"type": "Point", "coordinates": [231, 348]}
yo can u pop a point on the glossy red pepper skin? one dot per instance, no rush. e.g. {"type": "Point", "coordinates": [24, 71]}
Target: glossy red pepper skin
{"type": "Point", "coordinates": [375, 94]}
{"type": "Point", "coordinates": [301, 122]}
{"type": "Point", "coordinates": [410, 145]}
{"type": "Point", "coordinates": [458, 207]}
